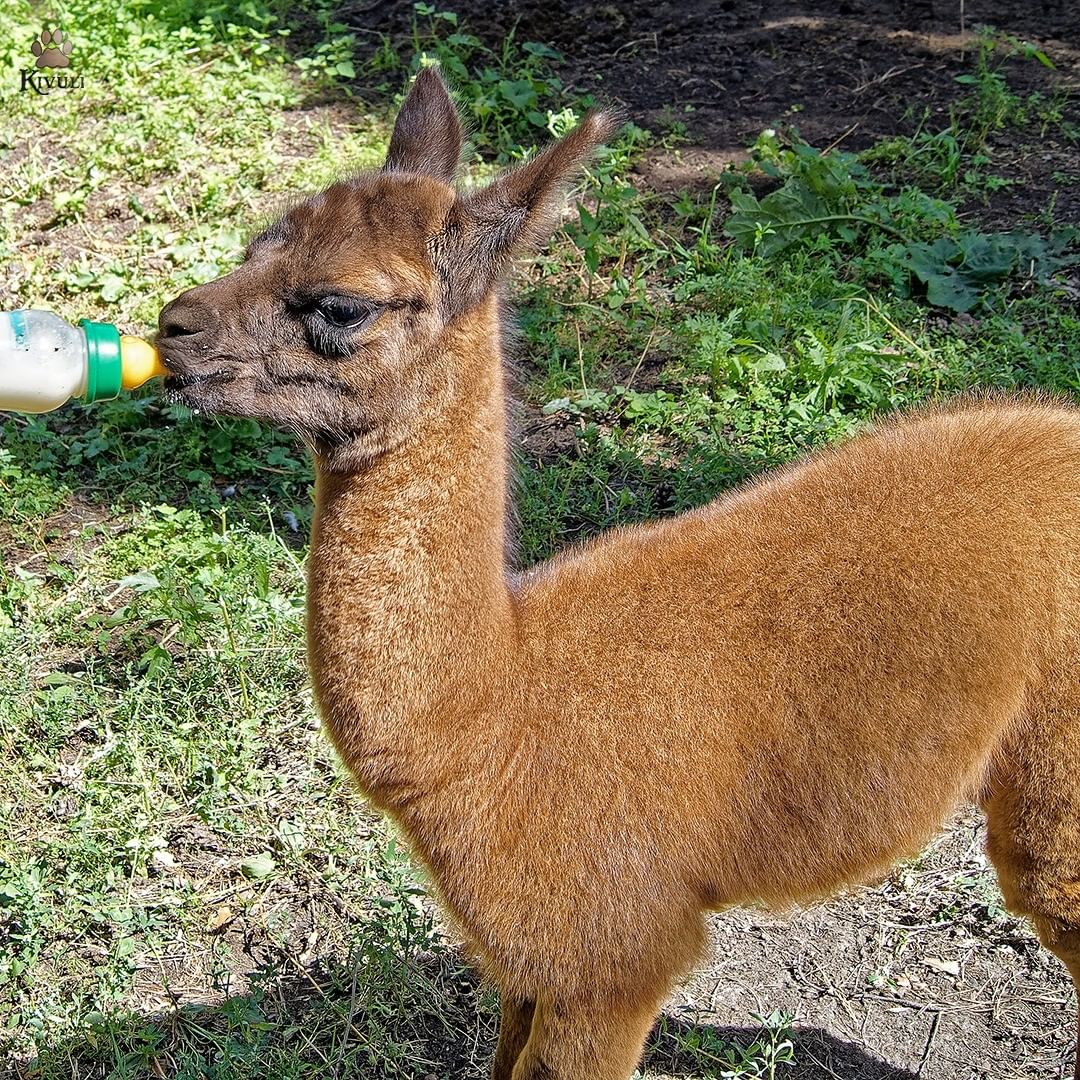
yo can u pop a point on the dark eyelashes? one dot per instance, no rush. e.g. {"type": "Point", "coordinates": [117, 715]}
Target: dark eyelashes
{"type": "Point", "coordinates": [331, 321]}
{"type": "Point", "coordinates": [336, 309]}
{"type": "Point", "coordinates": [346, 312]}
{"type": "Point", "coordinates": [335, 342]}
{"type": "Point", "coordinates": [303, 303]}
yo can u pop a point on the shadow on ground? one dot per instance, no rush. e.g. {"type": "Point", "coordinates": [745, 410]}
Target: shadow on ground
{"type": "Point", "coordinates": [432, 1018]}
{"type": "Point", "coordinates": [818, 1054]}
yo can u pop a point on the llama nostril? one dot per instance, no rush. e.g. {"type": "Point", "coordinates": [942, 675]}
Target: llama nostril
{"type": "Point", "coordinates": [176, 328]}
{"type": "Point", "coordinates": [182, 318]}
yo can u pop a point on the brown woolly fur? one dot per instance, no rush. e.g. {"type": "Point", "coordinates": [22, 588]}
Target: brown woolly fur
{"type": "Point", "coordinates": [763, 700]}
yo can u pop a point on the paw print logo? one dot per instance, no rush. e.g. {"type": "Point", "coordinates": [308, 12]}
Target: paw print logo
{"type": "Point", "coordinates": [52, 49]}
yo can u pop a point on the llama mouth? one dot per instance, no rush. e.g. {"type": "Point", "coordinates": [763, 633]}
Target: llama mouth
{"type": "Point", "coordinates": [195, 389]}
{"type": "Point", "coordinates": [184, 381]}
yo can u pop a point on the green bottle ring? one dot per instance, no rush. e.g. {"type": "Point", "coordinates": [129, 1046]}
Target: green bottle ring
{"type": "Point", "coordinates": [103, 368]}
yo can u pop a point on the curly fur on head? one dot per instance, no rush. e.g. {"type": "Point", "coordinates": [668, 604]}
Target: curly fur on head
{"type": "Point", "coordinates": [335, 325]}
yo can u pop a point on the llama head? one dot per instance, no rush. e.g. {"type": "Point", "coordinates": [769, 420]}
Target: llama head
{"type": "Point", "coordinates": [332, 324]}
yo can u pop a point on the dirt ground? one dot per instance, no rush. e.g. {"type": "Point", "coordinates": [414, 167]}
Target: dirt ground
{"type": "Point", "coordinates": [843, 72]}
{"type": "Point", "coordinates": [923, 975]}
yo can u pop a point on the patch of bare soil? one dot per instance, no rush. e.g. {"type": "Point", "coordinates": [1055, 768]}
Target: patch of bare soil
{"type": "Point", "coordinates": [923, 975]}
{"type": "Point", "coordinates": [841, 71]}
{"type": "Point", "coordinates": [62, 537]}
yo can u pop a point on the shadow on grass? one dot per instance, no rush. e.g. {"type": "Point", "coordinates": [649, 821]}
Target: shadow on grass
{"type": "Point", "coordinates": [125, 454]}
{"type": "Point", "coordinates": [381, 1017]}
{"type": "Point", "coordinates": [139, 451]}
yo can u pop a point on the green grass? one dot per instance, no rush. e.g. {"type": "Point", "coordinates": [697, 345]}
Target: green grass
{"type": "Point", "coordinates": [188, 885]}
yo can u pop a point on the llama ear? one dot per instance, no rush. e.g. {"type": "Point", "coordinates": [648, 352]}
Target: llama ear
{"type": "Point", "coordinates": [513, 213]}
{"type": "Point", "coordinates": [427, 132]}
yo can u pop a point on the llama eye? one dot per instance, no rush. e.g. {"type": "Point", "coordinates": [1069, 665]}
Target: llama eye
{"type": "Point", "coordinates": [344, 311]}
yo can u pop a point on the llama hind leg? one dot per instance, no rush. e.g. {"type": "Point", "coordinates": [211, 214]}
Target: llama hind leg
{"type": "Point", "coordinates": [514, 1027]}
{"type": "Point", "coordinates": [1063, 940]}
{"type": "Point", "coordinates": [1033, 812]}
{"type": "Point", "coordinates": [602, 1040]}
{"type": "Point", "coordinates": [1066, 945]}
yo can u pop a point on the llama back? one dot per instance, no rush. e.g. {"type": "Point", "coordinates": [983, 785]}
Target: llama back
{"type": "Point", "coordinates": [831, 655]}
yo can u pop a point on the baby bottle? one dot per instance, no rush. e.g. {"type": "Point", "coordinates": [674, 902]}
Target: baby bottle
{"type": "Point", "coordinates": [45, 361]}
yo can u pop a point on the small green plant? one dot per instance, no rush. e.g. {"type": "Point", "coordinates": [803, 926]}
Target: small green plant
{"type": "Point", "coordinates": [954, 161]}
{"type": "Point", "coordinates": [933, 161]}
{"type": "Point", "coordinates": [510, 95]}
{"type": "Point", "coordinates": [331, 59]}
{"type": "Point", "coordinates": [758, 1061]}
{"type": "Point", "coordinates": [819, 194]}
{"type": "Point", "coordinates": [992, 104]}
{"type": "Point", "coordinates": [832, 200]}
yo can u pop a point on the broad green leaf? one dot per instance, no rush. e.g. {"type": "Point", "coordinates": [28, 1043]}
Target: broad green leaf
{"type": "Point", "coordinates": [949, 290]}
{"type": "Point", "coordinates": [143, 581]}
{"type": "Point", "coordinates": [258, 866]}
{"type": "Point", "coordinates": [519, 92]}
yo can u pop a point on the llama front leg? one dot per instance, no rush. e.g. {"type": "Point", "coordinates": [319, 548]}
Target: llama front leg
{"type": "Point", "coordinates": [514, 1027]}
{"type": "Point", "coordinates": [602, 1040]}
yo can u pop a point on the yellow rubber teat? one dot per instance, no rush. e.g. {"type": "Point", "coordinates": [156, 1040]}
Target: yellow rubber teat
{"type": "Point", "coordinates": [139, 362]}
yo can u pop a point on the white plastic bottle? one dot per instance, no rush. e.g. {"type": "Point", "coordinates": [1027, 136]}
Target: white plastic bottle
{"type": "Point", "coordinates": [45, 361]}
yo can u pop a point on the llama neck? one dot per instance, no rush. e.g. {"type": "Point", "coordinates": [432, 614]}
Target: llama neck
{"type": "Point", "coordinates": [409, 613]}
